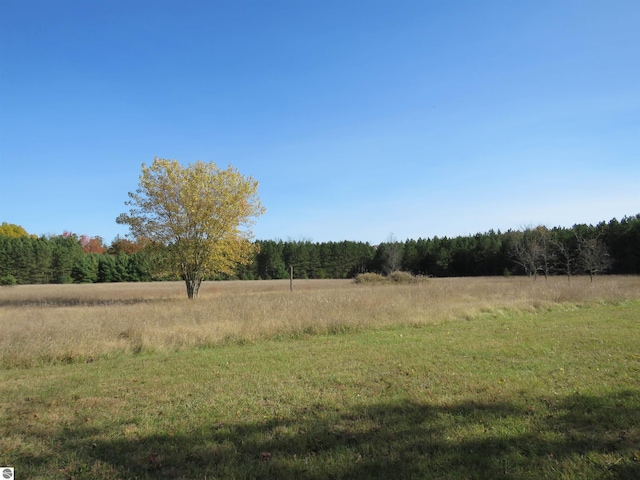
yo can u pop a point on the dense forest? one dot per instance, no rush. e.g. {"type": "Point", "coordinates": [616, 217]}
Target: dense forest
{"type": "Point", "coordinates": [612, 247]}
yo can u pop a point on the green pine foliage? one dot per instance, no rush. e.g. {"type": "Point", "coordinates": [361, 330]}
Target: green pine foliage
{"type": "Point", "coordinates": [533, 251]}
{"type": "Point", "coordinates": [60, 259]}
{"type": "Point", "coordinates": [8, 281]}
{"type": "Point", "coordinates": [85, 269]}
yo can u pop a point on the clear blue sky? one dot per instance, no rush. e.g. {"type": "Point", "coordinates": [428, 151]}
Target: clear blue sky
{"type": "Point", "coordinates": [359, 118]}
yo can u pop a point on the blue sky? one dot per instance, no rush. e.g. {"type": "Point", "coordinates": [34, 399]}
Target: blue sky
{"type": "Point", "coordinates": [359, 118]}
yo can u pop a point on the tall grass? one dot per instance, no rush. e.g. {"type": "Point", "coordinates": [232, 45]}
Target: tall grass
{"type": "Point", "coordinates": [70, 323]}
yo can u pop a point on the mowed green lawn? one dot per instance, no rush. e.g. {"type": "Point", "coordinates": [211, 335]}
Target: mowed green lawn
{"type": "Point", "coordinates": [552, 394]}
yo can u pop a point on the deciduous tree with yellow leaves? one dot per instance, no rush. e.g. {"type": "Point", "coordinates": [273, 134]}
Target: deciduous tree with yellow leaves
{"type": "Point", "coordinates": [12, 230]}
{"type": "Point", "coordinates": [202, 214]}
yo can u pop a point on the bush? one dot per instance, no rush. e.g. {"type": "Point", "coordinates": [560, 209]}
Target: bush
{"type": "Point", "coordinates": [403, 277]}
{"type": "Point", "coordinates": [394, 277]}
{"type": "Point", "coordinates": [8, 280]}
{"type": "Point", "coordinates": [369, 279]}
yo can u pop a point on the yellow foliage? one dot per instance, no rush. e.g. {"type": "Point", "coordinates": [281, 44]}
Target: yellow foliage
{"type": "Point", "coordinates": [12, 230]}
{"type": "Point", "coordinates": [200, 212]}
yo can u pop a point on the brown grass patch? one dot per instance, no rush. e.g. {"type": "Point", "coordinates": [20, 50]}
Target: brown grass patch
{"type": "Point", "coordinates": [71, 323]}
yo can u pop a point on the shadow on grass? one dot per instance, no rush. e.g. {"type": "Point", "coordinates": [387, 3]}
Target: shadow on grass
{"type": "Point", "coordinates": [575, 437]}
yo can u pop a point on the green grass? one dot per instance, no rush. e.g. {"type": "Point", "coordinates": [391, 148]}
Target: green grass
{"type": "Point", "coordinates": [552, 394]}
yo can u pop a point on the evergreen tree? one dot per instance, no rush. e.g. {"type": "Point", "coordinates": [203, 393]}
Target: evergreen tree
{"type": "Point", "coordinates": [85, 269]}
{"type": "Point", "coordinates": [65, 250]}
{"type": "Point", "coordinates": [40, 271]}
{"type": "Point", "coordinates": [107, 269]}
{"type": "Point", "coordinates": [270, 262]}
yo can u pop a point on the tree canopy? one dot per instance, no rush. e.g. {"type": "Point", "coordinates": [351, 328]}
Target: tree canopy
{"type": "Point", "coordinates": [12, 230]}
{"type": "Point", "coordinates": [202, 214]}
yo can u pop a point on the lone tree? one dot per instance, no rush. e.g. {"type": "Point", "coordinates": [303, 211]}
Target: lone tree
{"type": "Point", "coordinates": [201, 214]}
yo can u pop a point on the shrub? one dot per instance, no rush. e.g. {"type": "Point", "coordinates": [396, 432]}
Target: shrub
{"type": "Point", "coordinates": [402, 277]}
{"type": "Point", "coordinates": [369, 279]}
{"type": "Point", "coordinates": [8, 280]}
{"type": "Point", "coordinates": [394, 277]}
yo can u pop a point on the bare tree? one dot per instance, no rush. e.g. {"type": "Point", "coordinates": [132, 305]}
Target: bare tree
{"type": "Point", "coordinates": [593, 257]}
{"type": "Point", "coordinates": [524, 255]}
{"type": "Point", "coordinates": [546, 255]}
{"type": "Point", "coordinates": [532, 251]}
{"type": "Point", "coordinates": [393, 253]}
{"type": "Point", "coordinates": [565, 258]}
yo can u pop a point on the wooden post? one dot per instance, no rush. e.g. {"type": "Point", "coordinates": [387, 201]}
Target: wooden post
{"type": "Point", "coordinates": [291, 279]}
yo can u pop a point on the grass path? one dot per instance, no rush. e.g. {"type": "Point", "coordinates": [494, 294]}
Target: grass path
{"type": "Point", "coordinates": [554, 394]}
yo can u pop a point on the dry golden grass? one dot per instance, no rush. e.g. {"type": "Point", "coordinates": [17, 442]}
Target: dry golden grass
{"type": "Point", "coordinates": [67, 323]}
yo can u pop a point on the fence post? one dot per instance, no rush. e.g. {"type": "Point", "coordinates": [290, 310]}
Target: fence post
{"type": "Point", "coordinates": [291, 279]}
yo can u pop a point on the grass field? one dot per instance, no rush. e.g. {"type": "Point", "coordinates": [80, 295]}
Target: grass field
{"type": "Point", "coordinates": [451, 378]}
{"type": "Point", "coordinates": [48, 324]}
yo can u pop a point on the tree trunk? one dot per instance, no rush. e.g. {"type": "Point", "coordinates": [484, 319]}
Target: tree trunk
{"type": "Point", "coordinates": [193, 286]}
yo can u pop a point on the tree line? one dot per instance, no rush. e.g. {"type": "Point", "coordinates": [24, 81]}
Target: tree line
{"type": "Point", "coordinates": [608, 247]}
{"type": "Point", "coordinates": [67, 258]}
{"type": "Point", "coordinates": [612, 247]}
